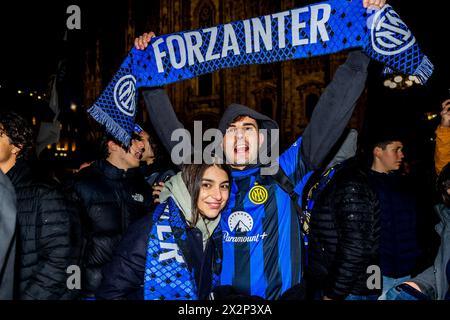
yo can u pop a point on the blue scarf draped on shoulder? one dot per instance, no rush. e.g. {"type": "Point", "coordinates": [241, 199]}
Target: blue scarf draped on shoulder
{"type": "Point", "coordinates": [318, 29]}
{"type": "Point", "coordinates": [167, 274]}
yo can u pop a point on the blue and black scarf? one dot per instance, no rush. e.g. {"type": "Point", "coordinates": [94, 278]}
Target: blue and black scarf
{"type": "Point", "coordinates": [318, 29]}
{"type": "Point", "coordinates": [167, 274]}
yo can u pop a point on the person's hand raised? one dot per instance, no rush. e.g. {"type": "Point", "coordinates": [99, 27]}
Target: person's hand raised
{"type": "Point", "coordinates": [142, 42]}
{"type": "Point", "coordinates": [445, 114]}
{"type": "Point", "coordinates": [374, 3]}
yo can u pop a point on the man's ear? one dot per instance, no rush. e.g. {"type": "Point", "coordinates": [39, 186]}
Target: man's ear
{"type": "Point", "coordinates": [377, 152]}
{"type": "Point", "coordinates": [261, 139]}
{"type": "Point", "coordinates": [16, 149]}
{"type": "Point", "coordinates": [112, 146]}
{"type": "Point", "coordinates": [222, 142]}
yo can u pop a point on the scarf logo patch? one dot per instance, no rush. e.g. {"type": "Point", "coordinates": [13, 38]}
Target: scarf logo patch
{"type": "Point", "coordinates": [258, 195]}
{"type": "Point", "coordinates": [390, 35]}
{"type": "Point", "coordinates": [124, 95]}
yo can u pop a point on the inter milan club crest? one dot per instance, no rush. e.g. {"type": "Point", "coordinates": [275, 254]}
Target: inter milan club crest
{"type": "Point", "coordinates": [124, 95]}
{"type": "Point", "coordinates": [240, 221]}
{"type": "Point", "coordinates": [258, 194]}
{"type": "Point", "coordinates": [390, 35]}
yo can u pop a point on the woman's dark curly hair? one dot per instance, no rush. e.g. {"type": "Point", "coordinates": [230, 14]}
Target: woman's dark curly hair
{"type": "Point", "coordinates": [18, 131]}
{"type": "Point", "coordinates": [443, 184]}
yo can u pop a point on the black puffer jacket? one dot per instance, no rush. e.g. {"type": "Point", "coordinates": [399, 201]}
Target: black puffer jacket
{"type": "Point", "coordinates": [49, 239]}
{"type": "Point", "coordinates": [344, 235]}
{"type": "Point", "coordinates": [110, 199]}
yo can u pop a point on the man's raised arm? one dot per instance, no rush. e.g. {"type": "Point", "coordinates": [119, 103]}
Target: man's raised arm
{"type": "Point", "coordinates": [160, 109]}
{"type": "Point", "coordinates": [162, 116]}
{"type": "Point", "coordinates": [335, 107]}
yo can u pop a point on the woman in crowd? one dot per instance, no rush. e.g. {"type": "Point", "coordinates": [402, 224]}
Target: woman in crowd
{"type": "Point", "coordinates": [174, 253]}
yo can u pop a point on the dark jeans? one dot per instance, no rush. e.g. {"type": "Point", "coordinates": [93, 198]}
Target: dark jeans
{"type": "Point", "coordinates": [319, 296]}
{"type": "Point", "coordinates": [405, 292]}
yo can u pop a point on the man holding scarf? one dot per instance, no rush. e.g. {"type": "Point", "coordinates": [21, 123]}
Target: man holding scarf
{"type": "Point", "coordinates": [8, 214]}
{"type": "Point", "coordinates": [262, 235]}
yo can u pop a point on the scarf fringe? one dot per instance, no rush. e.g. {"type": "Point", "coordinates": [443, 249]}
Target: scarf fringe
{"type": "Point", "coordinates": [387, 71]}
{"type": "Point", "coordinates": [111, 126]}
{"type": "Point", "coordinates": [423, 71]}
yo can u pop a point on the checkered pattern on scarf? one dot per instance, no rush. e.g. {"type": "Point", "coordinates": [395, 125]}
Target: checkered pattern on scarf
{"type": "Point", "coordinates": [347, 28]}
{"type": "Point", "coordinates": [169, 279]}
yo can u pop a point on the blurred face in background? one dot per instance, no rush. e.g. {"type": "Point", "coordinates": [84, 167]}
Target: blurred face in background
{"type": "Point", "coordinates": [125, 159]}
{"type": "Point", "coordinates": [8, 152]}
{"type": "Point", "coordinates": [148, 156]}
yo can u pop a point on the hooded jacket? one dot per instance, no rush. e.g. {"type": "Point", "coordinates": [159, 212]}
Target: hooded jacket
{"type": "Point", "coordinates": [142, 254]}
{"type": "Point", "coordinates": [177, 190]}
{"type": "Point", "coordinates": [261, 241]}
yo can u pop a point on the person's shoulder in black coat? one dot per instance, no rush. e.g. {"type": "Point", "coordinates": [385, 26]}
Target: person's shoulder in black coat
{"type": "Point", "coordinates": [123, 277]}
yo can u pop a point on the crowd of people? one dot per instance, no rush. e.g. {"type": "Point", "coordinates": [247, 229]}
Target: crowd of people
{"type": "Point", "coordinates": [333, 223]}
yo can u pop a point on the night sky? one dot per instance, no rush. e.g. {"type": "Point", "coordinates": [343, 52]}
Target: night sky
{"type": "Point", "coordinates": [32, 32]}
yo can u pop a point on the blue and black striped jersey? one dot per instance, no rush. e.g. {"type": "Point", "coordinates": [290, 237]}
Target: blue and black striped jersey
{"type": "Point", "coordinates": [261, 230]}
